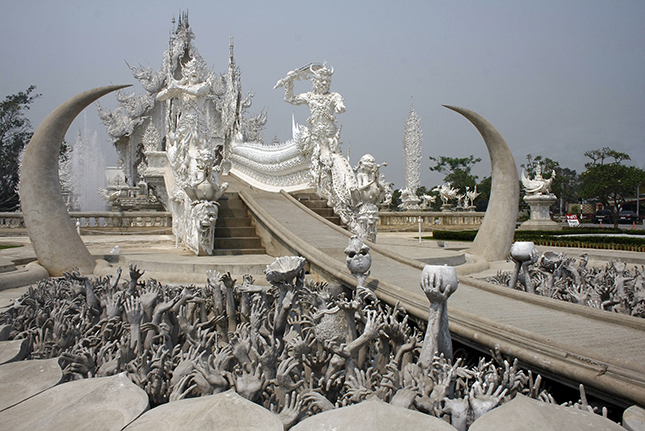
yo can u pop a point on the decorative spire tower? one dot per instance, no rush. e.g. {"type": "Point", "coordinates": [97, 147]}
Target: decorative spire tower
{"type": "Point", "coordinates": [412, 139]}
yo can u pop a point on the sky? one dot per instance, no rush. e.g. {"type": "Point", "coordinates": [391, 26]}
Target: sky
{"type": "Point", "coordinates": [556, 77]}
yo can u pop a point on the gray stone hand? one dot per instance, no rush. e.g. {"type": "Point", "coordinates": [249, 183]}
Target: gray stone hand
{"type": "Point", "coordinates": [222, 358]}
{"type": "Point", "coordinates": [135, 273]}
{"type": "Point", "coordinates": [392, 328]}
{"type": "Point", "coordinates": [299, 348]}
{"type": "Point", "coordinates": [440, 389]}
{"type": "Point", "coordinates": [184, 324]}
{"type": "Point", "coordinates": [228, 281]}
{"type": "Point", "coordinates": [111, 363]}
{"type": "Point", "coordinates": [371, 330]}
{"type": "Point", "coordinates": [258, 313]}
{"type": "Point", "coordinates": [286, 377]}
{"type": "Point", "coordinates": [317, 400]}
{"type": "Point", "coordinates": [75, 274]}
{"type": "Point", "coordinates": [241, 346]}
{"type": "Point", "coordinates": [185, 366]}
{"type": "Point", "coordinates": [213, 278]}
{"type": "Point", "coordinates": [269, 357]}
{"type": "Point", "coordinates": [431, 284]}
{"type": "Point", "coordinates": [458, 410]}
{"type": "Point", "coordinates": [404, 398]}
{"type": "Point", "coordinates": [80, 363]}
{"type": "Point", "coordinates": [416, 377]}
{"type": "Point", "coordinates": [247, 279]}
{"type": "Point", "coordinates": [133, 311]}
{"type": "Point", "coordinates": [291, 411]}
{"type": "Point", "coordinates": [112, 304]}
{"type": "Point", "coordinates": [148, 298]}
{"type": "Point", "coordinates": [578, 293]}
{"type": "Point", "coordinates": [481, 402]}
{"type": "Point", "coordinates": [359, 386]}
{"type": "Point", "coordinates": [114, 280]}
{"type": "Point", "coordinates": [513, 378]}
{"type": "Point", "coordinates": [250, 385]}
{"type": "Point", "coordinates": [205, 374]}
{"type": "Point", "coordinates": [181, 389]}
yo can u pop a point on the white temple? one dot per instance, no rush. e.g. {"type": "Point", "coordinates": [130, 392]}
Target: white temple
{"type": "Point", "coordinates": [191, 125]}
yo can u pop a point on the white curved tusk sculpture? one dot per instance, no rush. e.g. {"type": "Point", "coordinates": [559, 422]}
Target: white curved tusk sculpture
{"type": "Point", "coordinates": [51, 231]}
{"type": "Point", "coordinates": [493, 242]}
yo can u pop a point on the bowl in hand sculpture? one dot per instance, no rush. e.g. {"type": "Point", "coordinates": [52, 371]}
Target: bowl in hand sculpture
{"type": "Point", "coordinates": [523, 251]}
{"type": "Point", "coordinates": [284, 269]}
{"type": "Point", "coordinates": [448, 275]}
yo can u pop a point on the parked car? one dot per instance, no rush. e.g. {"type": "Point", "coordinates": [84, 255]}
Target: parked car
{"type": "Point", "coordinates": [627, 216]}
{"type": "Point", "coordinates": [603, 216]}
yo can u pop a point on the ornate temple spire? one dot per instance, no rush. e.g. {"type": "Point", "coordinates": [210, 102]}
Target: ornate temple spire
{"type": "Point", "coordinates": [412, 139]}
{"type": "Point", "coordinates": [231, 59]}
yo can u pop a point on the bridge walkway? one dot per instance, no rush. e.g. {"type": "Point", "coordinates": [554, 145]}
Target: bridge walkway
{"type": "Point", "coordinates": [572, 343]}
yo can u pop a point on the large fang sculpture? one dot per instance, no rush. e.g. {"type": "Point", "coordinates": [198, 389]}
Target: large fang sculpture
{"type": "Point", "coordinates": [52, 234]}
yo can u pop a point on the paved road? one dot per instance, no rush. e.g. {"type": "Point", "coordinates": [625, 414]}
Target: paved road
{"type": "Point", "coordinates": [577, 344]}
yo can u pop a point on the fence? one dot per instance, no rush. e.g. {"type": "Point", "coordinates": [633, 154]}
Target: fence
{"type": "Point", "coordinates": [106, 219]}
{"type": "Point", "coordinates": [430, 220]}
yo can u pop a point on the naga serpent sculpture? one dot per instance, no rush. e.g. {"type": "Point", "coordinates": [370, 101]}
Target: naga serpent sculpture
{"type": "Point", "coordinates": [52, 233]}
{"type": "Point", "coordinates": [495, 236]}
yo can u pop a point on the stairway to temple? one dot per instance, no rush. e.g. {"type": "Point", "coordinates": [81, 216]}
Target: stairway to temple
{"type": "Point", "coordinates": [234, 230]}
{"type": "Point", "coordinates": [319, 206]}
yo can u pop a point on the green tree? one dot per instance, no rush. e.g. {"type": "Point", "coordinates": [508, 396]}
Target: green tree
{"type": "Point", "coordinates": [608, 180]}
{"type": "Point", "coordinates": [15, 133]}
{"type": "Point", "coordinates": [458, 171]}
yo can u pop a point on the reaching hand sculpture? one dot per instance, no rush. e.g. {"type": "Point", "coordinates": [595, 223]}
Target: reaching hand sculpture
{"type": "Point", "coordinates": [438, 283]}
{"type": "Point", "coordinates": [523, 254]}
{"type": "Point", "coordinates": [359, 262]}
{"type": "Point", "coordinates": [306, 347]}
{"type": "Point", "coordinates": [613, 288]}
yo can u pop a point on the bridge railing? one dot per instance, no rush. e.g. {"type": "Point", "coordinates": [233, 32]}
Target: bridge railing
{"type": "Point", "coordinates": [430, 220]}
{"type": "Point", "coordinates": [389, 220]}
{"type": "Point", "coordinates": [100, 219]}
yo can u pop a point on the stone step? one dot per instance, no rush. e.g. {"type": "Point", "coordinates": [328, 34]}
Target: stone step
{"type": "Point", "coordinates": [314, 204]}
{"type": "Point", "coordinates": [238, 243]}
{"type": "Point", "coordinates": [234, 232]}
{"type": "Point", "coordinates": [318, 205]}
{"type": "Point", "coordinates": [232, 222]}
{"type": "Point", "coordinates": [306, 196]}
{"type": "Point", "coordinates": [335, 220]}
{"type": "Point", "coordinates": [233, 212]}
{"type": "Point", "coordinates": [231, 203]}
{"type": "Point", "coordinates": [238, 252]}
{"type": "Point", "coordinates": [324, 212]}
